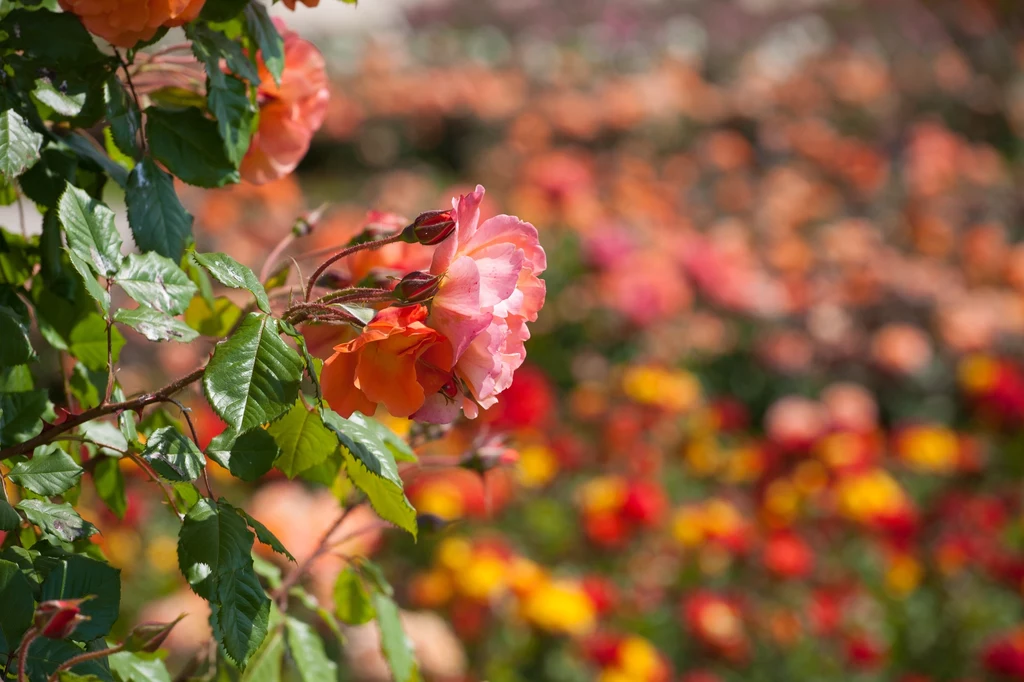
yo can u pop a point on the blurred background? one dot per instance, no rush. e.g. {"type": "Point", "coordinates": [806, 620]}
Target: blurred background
{"type": "Point", "coordinates": [771, 425]}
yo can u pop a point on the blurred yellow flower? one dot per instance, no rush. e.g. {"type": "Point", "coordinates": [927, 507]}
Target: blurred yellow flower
{"type": "Point", "coordinates": [560, 606]}
{"type": "Point", "coordinates": [536, 467]}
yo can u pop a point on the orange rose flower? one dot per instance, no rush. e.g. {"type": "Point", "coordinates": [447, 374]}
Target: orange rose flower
{"type": "Point", "coordinates": [290, 112]}
{"type": "Point", "coordinates": [126, 22]}
{"type": "Point", "coordinates": [397, 360]}
{"type": "Point", "coordinates": [290, 4]}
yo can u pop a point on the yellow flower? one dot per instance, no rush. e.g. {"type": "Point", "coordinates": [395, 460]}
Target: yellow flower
{"type": "Point", "coordinates": [483, 577]}
{"type": "Point", "coordinates": [561, 607]}
{"type": "Point", "coordinates": [442, 499]}
{"type": "Point", "coordinates": [603, 494]}
{"type": "Point", "coordinates": [638, 658]}
{"type": "Point", "coordinates": [903, 574]}
{"type": "Point", "coordinates": [536, 467]}
{"type": "Point", "coordinates": [978, 373]}
{"type": "Point", "coordinates": [930, 449]}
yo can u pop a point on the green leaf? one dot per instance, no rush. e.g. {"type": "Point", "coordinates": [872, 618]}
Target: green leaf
{"type": "Point", "coordinates": [222, 10]}
{"type": "Point", "coordinates": [231, 273]}
{"type": "Point", "coordinates": [88, 342]}
{"type": "Point", "coordinates": [247, 456]}
{"type": "Point", "coordinates": [253, 377]}
{"type": "Point", "coordinates": [372, 468]}
{"type": "Point", "coordinates": [216, 321]}
{"type": "Point", "coordinates": [228, 101]}
{"type": "Point", "coordinates": [156, 326]}
{"type": "Point", "coordinates": [265, 665]}
{"type": "Point", "coordinates": [56, 39]}
{"type": "Point", "coordinates": [393, 643]}
{"type": "Point", "coordinates": [210, 46]}
{"type": "Point", "coordinates": [46, 655]}
{"type": "Point", "coordinates": [138, 667]}
{"type": "Point", "coordinates": [19, 145]}
{"type": "Point", "coordinates": [16, 597]}
{"type": "Point", "coordinates": [189, 145]}
{"type": "Point", "coordinates": [304, 440]}
{"type": "Point", "coordinates": [123, 116]}
{"type": "Point", "coordinates": [115, 154]}
{"type": "Point", "coordinates": [398, 447]}
{"type": "Point", "coordinates": [65, 104]}
{"type": "Point", "coordinates": [264, 535]}
{"type": "Point", "coordinates": [92, 235]}
{"type": "Point", "coordinates": [109, 482]}
{"type": "Point", "coordinates": [156, 281]}
{"type": "Point", "coordinates": [84, 147]}
{"type": "Point", "coordinates": [21, 415]}
{"type": "Point", "coordinates": [9, 519]}
{"type": "Point", "coordinates": [307, 649]}
{"type": "Point", "coordinates": [16, 348]}
{"type": "Point", "coordinates": [173, 455]}
{"type": "Point", "coordinates": [158, 220]}
{"type": "Point", "coordinates": [262, 30]}
{"type": "Point", "coordinates": [312, 367]}
{"type": "Point", "coordinates": [18, 257]}
{"type": "Point", "coordinates": [240, 616]}
{"type": "Point", "coordinates": [108, 438]}
{"type": "Point", "coordinates": [77, 576]}
{"type": "Point", "coordinates": [59, 520]}
{"type": "Point", "coordinates": [352, 603]}
{"type": "Point", "coordinates": [92, 287]}
{"type": "Point", "coordinates": [50, 471]}
{"type": "Point", "coordinates": [86, 386]}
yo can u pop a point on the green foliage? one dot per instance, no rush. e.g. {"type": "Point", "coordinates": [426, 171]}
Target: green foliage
{"type": "Point", "coordinates": [158, 220]}
{"type": "Point", "coordinates": [247, 456]}
{"type": "Point", "coordinates": [173, 455]}
{"type": "Point", "coordinates": [89, 226]}
{"type": "Point", "coordinates": [189, 145]}
{"type": "Point", "coordinates": [307, 650]}
{"type": "Point", "coordinates": [19, 145]}
{"type": "Point", "coordinates": [77, 576]}
{"type": "Point", "coordinates": [50, 471]}
{"type": "Point", "coordinates": [155, 325]}
{"type": "Point", "coordinates": [156, 281]}
{"type": "Point", "coordinates": [393, 642]}
{"type": "Point", "coordinates": [231, 273]}
{"type": "Point", "coordinates": [304, 440]}
{"type": "Point", "coordinates": [59, 520]}
{"type": "Point", "coordinates": [352, 603]}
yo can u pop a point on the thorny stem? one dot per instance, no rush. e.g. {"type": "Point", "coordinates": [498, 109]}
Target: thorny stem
{"type": "Point", "coordinates": [281, 593]}
{"type": "Point", "coordinates": [82, 658]}
{"type": "Point", "coordinates": [26, 642]}
{"type": "Point", "coordinates": [344, 253]}
{"type": "Point", "coordinates": [354, 294]}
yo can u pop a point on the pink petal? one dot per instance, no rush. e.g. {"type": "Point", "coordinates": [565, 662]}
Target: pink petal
{"type": "Point", "coordinates": [511, 230]}
{"type": "Point", "coordinates": [455, 310]}
{"type": "Point", "coordinates": [437, 409]}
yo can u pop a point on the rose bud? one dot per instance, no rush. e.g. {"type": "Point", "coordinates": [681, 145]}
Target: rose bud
{"type": "Point", "coordinates": [430, 228]}
{"type": "Point", "coordinates": [417, 287]}
{"type": "Point", "coordinates": [148, 637]}
{"type": "Point", "coordinates": [58, 618]}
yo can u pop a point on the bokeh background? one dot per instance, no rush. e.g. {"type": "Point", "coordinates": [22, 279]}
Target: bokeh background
{"type": "Point", "coordinates": [770, 425]}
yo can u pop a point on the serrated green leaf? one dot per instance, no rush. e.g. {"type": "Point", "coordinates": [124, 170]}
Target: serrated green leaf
{"type": "Point", "coordinates": [92, 287]}
{"type": "Point", "coordinates": [262, 30]}
{"type": "Point", "coordinates": [21, 415]}
{"type": "Point", "coordinates": [398, 447]}
{"type": "Point", "coordinates": [264, 535]}
{"type": "Point", "coordinates": [57, 39]}
{"type": "Point", "coordinates": [123, 117]}
{"type": "Point", "coordinates": [155, 325]}
{"type": "Point", "coordinates": [222, 10]}
{"type": "Point", "coordinates": [216, 321]}
{"type": "Point", "coordinates": [253, 377]}
{"type": "Point", "coordinates": [50, 471]}
{"type": "Point", "coordinates": [372, 468]}
{"type": "Point", "coordinates": [231, 273]}
{"type": "Point", "coordinates": [228, 101]}
{"type": "Point", "coordinates": [189, 145]}
{"type": "Point", "coordinates": [59, 520]}
{"type": "Point", "coordinates": [63, 103]}
{"type": "Point", "coordinates": [240, 616]}
{"type": "Point", "coordinates": [307, 649]}
{"type": "Point", "coordinates": [114, 152]}
{"type": "Point", "coordinates": [247, 456]}
{"type": "Point", "coordinates": [210, 46]}
{"type": "Point", "coordinates": [87, 341]}
{"type": "Point", "coordinates": [19, 145]}
{"type": "Point", "coordinates": [265, 665]}
{"type": "Point", "coordinates": [158, 220]}
{"type": "Point", "coordinates": [46, 655]}
{"type": "Point", "coordinates": [352, 603]}
{"type": "Point", "coordinates": [77, 576]}
{"type": "Point", "coordinates": [138, 667]}
{"type": "Point", "coordinates": [393, 643]}
{"type": "Point", "coordinates": [90, 228]}
{"type": "Point", "coordinates": [304, 440]}
{"type": "Point", "coordinates": [16, 596]}
{"type": "Point", "coordinates": [312, 367]}
{"type": "Point", "coordinates": [173, 455]}
{"type": "Point", "coordinates": [16, 348]}
{"type": "Point", "coordinates": [106, 436]}
{"type": "Point", "coordinates": [109, 483]}
{"type": "Point", "coordinates": [9, 519]}
{"type": "Point", "coordinates": [84, 148]}
{"type": "Point", "coordinates": [156, 281]}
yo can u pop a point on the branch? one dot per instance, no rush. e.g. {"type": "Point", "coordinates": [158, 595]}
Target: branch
{"type": "Point", "coordinates": [280, 595]}
{"type": "Point", "coordinates": [348, 252]}
{"type": "Point", "coordinates": [82, 658]}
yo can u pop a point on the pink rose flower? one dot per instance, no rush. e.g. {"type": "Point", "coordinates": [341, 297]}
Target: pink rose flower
{"type": "Point", "coordinates": [489, 290]}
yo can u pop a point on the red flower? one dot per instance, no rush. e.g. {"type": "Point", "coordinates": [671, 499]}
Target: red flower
{"type": "Point", "coordinates": [787, 555]}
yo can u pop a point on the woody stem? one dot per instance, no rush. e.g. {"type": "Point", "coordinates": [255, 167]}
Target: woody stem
{"type": "Point", "coordinates": [344, 253]}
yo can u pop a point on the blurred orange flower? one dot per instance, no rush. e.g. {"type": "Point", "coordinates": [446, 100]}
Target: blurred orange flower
{"type": "Point", "coordinates": [126, 22]}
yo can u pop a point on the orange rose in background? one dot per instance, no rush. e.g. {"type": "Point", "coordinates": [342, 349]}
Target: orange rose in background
{"type": "Point", "coordinates": [126, 22]}
{"type": "Point", "coordinates": [290, 112]}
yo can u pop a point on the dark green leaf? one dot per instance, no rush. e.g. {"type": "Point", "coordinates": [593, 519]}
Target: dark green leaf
{"type": "Point", "coordinates": [156, 326]}
{"type": "Point", "coordinates": [92, 287]}
{"type": "Point", "coordinates": [85, 148]}
{"type": "Point", "coordinates": [264, 535]}
{"type": "Point", "coordinates": [240, 616]}
{"type": "Point", "coordinates": [21, 415]}
{"type": "Point", "coordinates": [158, 220]}
{"type": "Point", "coordinates": [247, 456]}
{"type": "Point", "coordinates": [57, 40]}
{"type": "Point", "coordinates": [214, 542]}
{"type": "Point", "coordinates": [265, 665]}
{"type": "Point", "coordinates": [307, 649]}
{"type": "Point", "coordinates": [156, 281]}
{"type": "Point", "coordinates": [312, 366]}
{"type": "Point", "coordinates": [9, 519]}
{"type": "Point", "coordinates": [44, 182]}
{"type": "Point", "coordinates": [372, 468]}
{"type": "Point", "coordinates": [109, 482]}
{"type": "Point", "coordinates": [46, 655]}
{"type": "Point", "coordinates": [138, 667]}
{"type": "Point", "coordinates": [19, 145]}
{"type": "Point", "coordinates": [210, 46]}
{"type": "Point", "coordinates": [393, 642]}
{"type": "Point", "coordinates": [189, 145]}
{"type": "Point", "coordinates": [216, 321]}
{"type": "Point", "coordinates": [262, 30]}
{"type": "Point", "coordinates": [50, 471]}
{"type": "Point", "coordinates": [173, 455]}
{"type": "Point", "coordinates": [59, 520]}
{"type": "Point", "coordinates": [16, 597]}
{"type": "Point", "coordinates": [78, 576]}
{"type": "Point", "coordinates": [229, 103]}
{"type": "Point", "coordinates": [123, 116]}
{"type": "Point", "coordinates": [16, 348]}
{"type": "Point", "coordinates": [253, 377]}
{"type": "Point", "coordinates": [352, 603]}
{"type": "Point", "coordinates": [222, 10]}
{"type": "Point", "coordinates": [18, 256]}
{"type": "Point", "coordinates": [231, 273]}
{"type": "Point", "coordinates": [304, 440]}
{"type": "Point", "coordinates": [87, 387]}
{"type": "Point", "coordinates": [90, 229]}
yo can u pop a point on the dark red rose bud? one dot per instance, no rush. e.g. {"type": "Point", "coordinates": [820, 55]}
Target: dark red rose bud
{"type": "Point", "coordinates": [430, 228]}
{"type": "Point", "coordinates": [58, 618]}
{"type": "Point", "coordinates": [148, 637]}
{"type": "Point", "coordinates": [450, 389]}
{"type": "Point", "coordinates": [417, 287]}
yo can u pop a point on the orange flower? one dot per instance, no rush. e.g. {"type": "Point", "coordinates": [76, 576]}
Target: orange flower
{"type": "Point", "coordinates": [290, 4]}
{"type": "Point", "coordinates": [290, 112]}
{"type": "Point", "coordinates": [126, 22]}
{"type": "Point", "coordinates": [397, 360]}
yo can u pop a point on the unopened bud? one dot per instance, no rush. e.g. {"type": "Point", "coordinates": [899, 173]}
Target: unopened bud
{"type": "Point", "coordinates": [58, 618]}
{"type": "Point", "coordinates": [430, 228]}
{"type": "Point", "coordinates": [148, 637]}
{"type": "Point", "coordinates": [417, 287]}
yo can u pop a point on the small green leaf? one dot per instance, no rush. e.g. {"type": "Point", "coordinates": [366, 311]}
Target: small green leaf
{"type": "Point", "coordinates": [59, 520]}
{"type": "Point", "coordinates": [109, 482]}
{"type": "Point", "coordinates": [229, 103]}
{"type": "Point", "coordinates": [352, 603]}
{"type": "Point", "coordinates": [106, 436]}
{"type": "Point", "coordinates": [50, 471]}
{"type": "Point", "coordinates": [88, 342]}
{"type": "Point", "coordinates": [372, 468]}
{"type": "Point", "coordinates": [307, 649]}
{"type": "Point", "coordinates": [83, 146]}
{"type": "Point", "coordinates": [16, 596]}
{"type": "Point", "coordinates": [247, 456]}
{"type": "Point", "coordinates": [138, 667]}
{"type": "Point", "coordinates": [189, 145]}
{"type": "Point", "coordinates": [312, 367]}
{"type": "Point", "coordinates": [9, 519]}
{"type": "Point", "coordinates": [77, 576]}
{"type": "Point", "coordinates": [393, 643]}
{"type": "Point", "coordinates": [253, 377]}
{"type": "Point", "coordinates": [92, 287]}
{"type": "Point", "coordinates": [210, 46]}
{"type": "Point", "coordinates": [216, 321]}
{"type": "Point", "coordinates": [156, 326]}
{"type": "Point", "coordinates": [16, 348]}
{"type": "Point", "coordinates": [46, 655]}
{"type": "Point", "coordinates": [262, 30]}
{"type": "Point", "coordinates": [91, 231]}
{"type": "Point", "coordinates": [304, 440]}
{"type": "Point", "coordinates": [65, 104]}
{"type": "Point", "coordinates": [173, 455]}
{"type": "Point", "coordinates": [123, 116]}
{"type": "Point", "coordinates": [265, 664]}
{"type": "Point", "coordinates": [264, 535]}
{"type": "Point", "coordinates": [222, 10]}
{"type": "Point", "coordinates": [19, 145]}
{"type": "Point", "coordinates": [156, 281]}
{"type": "Point", "coordinates": [231, 273]}
{"type": "Point", "coordinates": [158, 220]}
{"type": "Point", "coordinates": [21, 415]}
{"type": "Point", "coordinates": [114, 152]}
